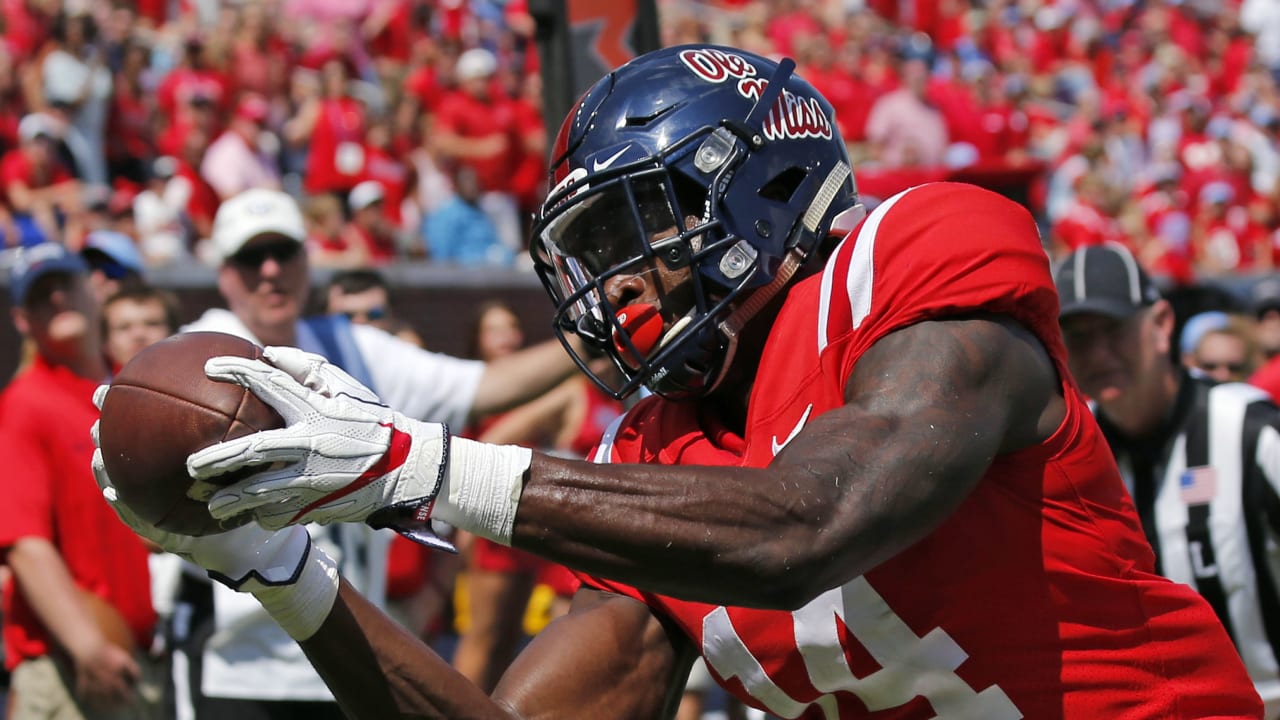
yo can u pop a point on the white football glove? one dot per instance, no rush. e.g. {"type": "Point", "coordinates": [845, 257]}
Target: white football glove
{"type": "Point", "coordinates": [245, 558]}
{"type": "Point", "coordinates": [344, 456]}
{"type": "Point", "coordinates": [295, 581]}
{"type": "Point", "coordinates": [245, 555]}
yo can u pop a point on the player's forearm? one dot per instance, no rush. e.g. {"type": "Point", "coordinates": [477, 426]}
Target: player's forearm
{"type": "Point", "coordinates": [741, 536]}
{"type": "Point", "coordinates": [379, 671]}
{"type": "Point", "coordinates": [771, 538]}
{"type": "Point", "coordinates": [46, 583]}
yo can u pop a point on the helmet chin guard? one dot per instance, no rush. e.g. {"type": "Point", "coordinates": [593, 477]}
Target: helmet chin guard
{"type": "Point", "coordinates": [702, 160]}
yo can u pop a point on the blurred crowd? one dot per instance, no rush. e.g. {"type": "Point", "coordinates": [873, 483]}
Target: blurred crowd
{"type": "Point", "coordinates": [414, 128]}
{"type": "Point", "coordinates": [1153, 124]}
{"type": "Point", "coordinates": [406, 128]}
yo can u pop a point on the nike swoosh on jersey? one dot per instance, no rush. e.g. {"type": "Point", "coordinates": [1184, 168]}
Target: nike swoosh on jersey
{"type": "Point", "coordinates": [598, 165]}
{"type": "Point", "coordinates": [777, 446]}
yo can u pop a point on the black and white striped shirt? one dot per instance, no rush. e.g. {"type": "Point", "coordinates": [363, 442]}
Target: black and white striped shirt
{"type": "Point", "coordinates": [1207, 488]}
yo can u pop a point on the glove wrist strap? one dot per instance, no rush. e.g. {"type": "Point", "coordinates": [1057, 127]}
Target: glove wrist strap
{"type": "Point", "coordinates": [482, 488]}
{"type": "Point", "coordinates": [302, 607]}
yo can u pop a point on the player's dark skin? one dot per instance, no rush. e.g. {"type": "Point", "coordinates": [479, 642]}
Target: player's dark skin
{"type": "Point", "coordinates": [928, 408]}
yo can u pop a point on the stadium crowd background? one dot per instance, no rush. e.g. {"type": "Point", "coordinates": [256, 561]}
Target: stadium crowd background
{"type": "Point", "coordinates": [1151, 123]}
{"type": "Point", "coordinates": [412, 130]}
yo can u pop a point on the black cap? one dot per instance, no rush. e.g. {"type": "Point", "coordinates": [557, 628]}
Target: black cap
{"type": "Point", "coordinates": [1103, 279]}
{"type": "Point", "coordinates": [1265, 296]}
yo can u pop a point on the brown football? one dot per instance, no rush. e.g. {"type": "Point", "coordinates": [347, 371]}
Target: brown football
{"type": "Point", "coordinates": [160, 409]}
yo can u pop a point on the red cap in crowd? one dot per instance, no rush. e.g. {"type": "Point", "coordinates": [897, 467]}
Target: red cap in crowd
{"type": "Point", "coordinates": [254, 108]}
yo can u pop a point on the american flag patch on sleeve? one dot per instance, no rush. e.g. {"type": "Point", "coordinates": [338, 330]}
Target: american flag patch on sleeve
{"type": "Point", "coordinates": [1198, 485]}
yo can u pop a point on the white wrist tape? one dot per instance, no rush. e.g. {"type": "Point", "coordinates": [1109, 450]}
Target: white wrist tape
{"type": "Point", "coordinates": [482, 488]}
{"type": "Point", "coordinates": [301, 607]}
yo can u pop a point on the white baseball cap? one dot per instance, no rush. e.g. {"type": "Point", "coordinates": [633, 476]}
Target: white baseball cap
{"type": "Point", "coordinates": [475, 63]}
{"type": "Point", "coordinates": [253, 213]}
{"type": "Point", "coordinates": [36, 124]}
{"type": "Point", "coordinates": [365, 194]}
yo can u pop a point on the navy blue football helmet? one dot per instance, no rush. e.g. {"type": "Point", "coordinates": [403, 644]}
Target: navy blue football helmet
{"type": "Point", "coordinates": [696, 156]}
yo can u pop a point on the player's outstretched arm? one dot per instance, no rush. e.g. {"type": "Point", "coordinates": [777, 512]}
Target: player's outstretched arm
{"type": "Point", "coordinates": [927, 409]}
{"type": "Point", "coordinates": [609, 657]}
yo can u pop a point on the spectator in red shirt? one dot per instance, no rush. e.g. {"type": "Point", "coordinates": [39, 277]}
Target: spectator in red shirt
{"type": "Point", "coordinates": [1223, 236]}
{"type": "Point", "coordinates": [201, 199]}
{"type": "Point", "coordinates": [1090, 217]}
{"type": "Point", "coordinates": [404, 127]}
{"type": "Point", "coordinates": [475, 127]}
{"type": "Point", "coordinates": [200, 115]}
{"type": "Point", "coordinates": [42, 193]}
{"type": "Point", "coordinates": [790, 24]}
{"type": "Point", "coordinates": [388, 31]}
{"type": "Point", "coordinates": [333, 125]}
{"type": "Point", "coordinates": [327, 244]}
{"type": "Point", "coordinates": [383, 166]}
{"type": "Point", "coordinates": [131, 125]}
{"type": "Point", "coordinates": [369, 231]}
{"type": "Point", "coordinates": [422, 81]}
{"type": "Point", "coordinates": [998, 129]}
{"type": "Point", "coordinates": [194, 80]}
{"type": "Point", "coordinates": [528, 180]}
{"type": "Point", "coordinates": [259, 59]}
{"type": "Point", "coordinates": [11, 103]}
{"type": "Point", "coordinates": [79, 574]}
{"type": "Point", "coordinates": [844, 89]}
{"type": "Point", "coordinates": [27, 26]}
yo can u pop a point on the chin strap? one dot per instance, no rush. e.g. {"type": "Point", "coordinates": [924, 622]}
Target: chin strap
{"type": "Point", "coordinates": [731, 327]}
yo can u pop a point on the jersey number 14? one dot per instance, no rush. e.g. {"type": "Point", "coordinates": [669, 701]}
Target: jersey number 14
{"type": "Point", "coordinates": [910, 666]}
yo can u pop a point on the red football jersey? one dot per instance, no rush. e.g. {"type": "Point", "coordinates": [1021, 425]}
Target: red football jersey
{"type": "Point", "coordinates": [1037, 598]}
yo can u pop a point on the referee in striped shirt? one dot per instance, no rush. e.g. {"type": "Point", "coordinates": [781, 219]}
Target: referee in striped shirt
{"type": "Point", "coordinates": [1201, 460]}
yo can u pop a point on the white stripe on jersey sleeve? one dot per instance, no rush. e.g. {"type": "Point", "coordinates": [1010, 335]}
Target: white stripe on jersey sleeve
{"type": "Point", "coordinates": [860, 275]}
{"type": "Point", "coordinates": [604, 450]}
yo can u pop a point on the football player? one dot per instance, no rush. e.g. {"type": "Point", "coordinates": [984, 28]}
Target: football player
{"type": "Point", "coordinates": [864, 485]}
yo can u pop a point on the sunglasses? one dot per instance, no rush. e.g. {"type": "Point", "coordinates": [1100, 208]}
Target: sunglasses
{"type": "Point", "coordinates": [253, 257]}
{"type": "Point", "coordinates": [370, 315]}
{"type": "Point", "coordinates": [1234, 368]}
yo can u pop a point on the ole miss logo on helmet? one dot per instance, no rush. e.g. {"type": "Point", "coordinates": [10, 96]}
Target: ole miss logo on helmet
{"type": "Point", "coordinates": [793, 116]}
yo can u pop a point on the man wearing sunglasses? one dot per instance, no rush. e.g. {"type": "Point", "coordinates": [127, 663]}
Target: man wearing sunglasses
{"type": "Point", "coordinates": [1199, 457]}
{"type": "Point", "coordinates": [251, 668]}
{"type": "Point", "coordinates": [363, 296]}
